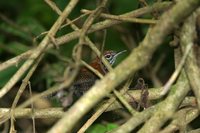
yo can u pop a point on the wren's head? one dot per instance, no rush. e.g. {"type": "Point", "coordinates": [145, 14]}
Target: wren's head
{"type": "Point", "coordinates": [112, 55]}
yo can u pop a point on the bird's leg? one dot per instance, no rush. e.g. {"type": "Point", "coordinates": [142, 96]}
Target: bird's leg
{"type": "Point", "coordinates": [144, 97]}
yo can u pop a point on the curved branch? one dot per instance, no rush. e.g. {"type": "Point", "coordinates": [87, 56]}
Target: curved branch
{"type": "Point", "coordinates": [130, 65]}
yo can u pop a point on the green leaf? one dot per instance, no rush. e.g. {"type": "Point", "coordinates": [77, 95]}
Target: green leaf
{"type": "Point", "coordinates": [100, 128]}
{"type": "Point", "coordinates": [111, 126]}
{"type": "Point", "coordinates": [97, 128]}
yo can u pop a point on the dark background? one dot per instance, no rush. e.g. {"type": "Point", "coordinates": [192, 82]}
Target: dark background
{"type": "Point", "coordinates": [22, 21]}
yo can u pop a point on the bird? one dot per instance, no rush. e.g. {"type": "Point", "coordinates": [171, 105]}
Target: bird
{"type": "Point", "coordinates": [86, 78]}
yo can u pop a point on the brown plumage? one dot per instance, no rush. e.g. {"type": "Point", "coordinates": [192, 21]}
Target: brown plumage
{"type": "Point", "coordinates": [86, 79]}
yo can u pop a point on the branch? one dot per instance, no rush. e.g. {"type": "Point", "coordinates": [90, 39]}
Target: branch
{"type": "Point", "coordinates": [191, 67]}
{"type": "Point", "coordinates": [99, 26]}
{"type": "Point", "coordinates": [125, 19]}
{"type": "Point", "coordinates": [121, 72]}
{"type": "Point", "coordinates": [38, 113]}
{"type": "Point", "coordinates": [181, 119]}
{"type": "Point", "coordinates": [39, 50]}
{"type": "Point", "coordinates": [58, 112]}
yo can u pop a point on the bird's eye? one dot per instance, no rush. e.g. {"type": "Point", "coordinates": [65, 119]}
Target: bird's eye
{"type": "Point", "coordinates": [108, 56]}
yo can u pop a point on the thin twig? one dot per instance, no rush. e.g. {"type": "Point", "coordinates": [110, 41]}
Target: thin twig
{"type": "Point", "coordinates": [106, 106]}
{"type": "Point", "coordinates": [19, 93]}
{"type": "Point", "coordinates": [124, 102]}
{"type": "Point", "coordinates": [32, 106]}
{"type": "Point", "coordinates": [118, 94]}
{"type": "Point", "coordinates": [177, 71]}
{"type": "Point", "coordinates": [122, 18]}
{"type": "Point", "coordinates": [66, 83]}
{"type": "Point", "coordinates": [103, 108]}
{"type": "Point", "coordinates": [143, 52]}
{"type": "Point", "coordinates": [39, 50]}
{"type": "Point", "coordinates": [99, 26]}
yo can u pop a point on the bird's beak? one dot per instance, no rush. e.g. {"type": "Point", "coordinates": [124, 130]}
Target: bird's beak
{"type": "Point", "coordinates": [120, 53]}
{"type": "Point", "coordinates": [115, 56]}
